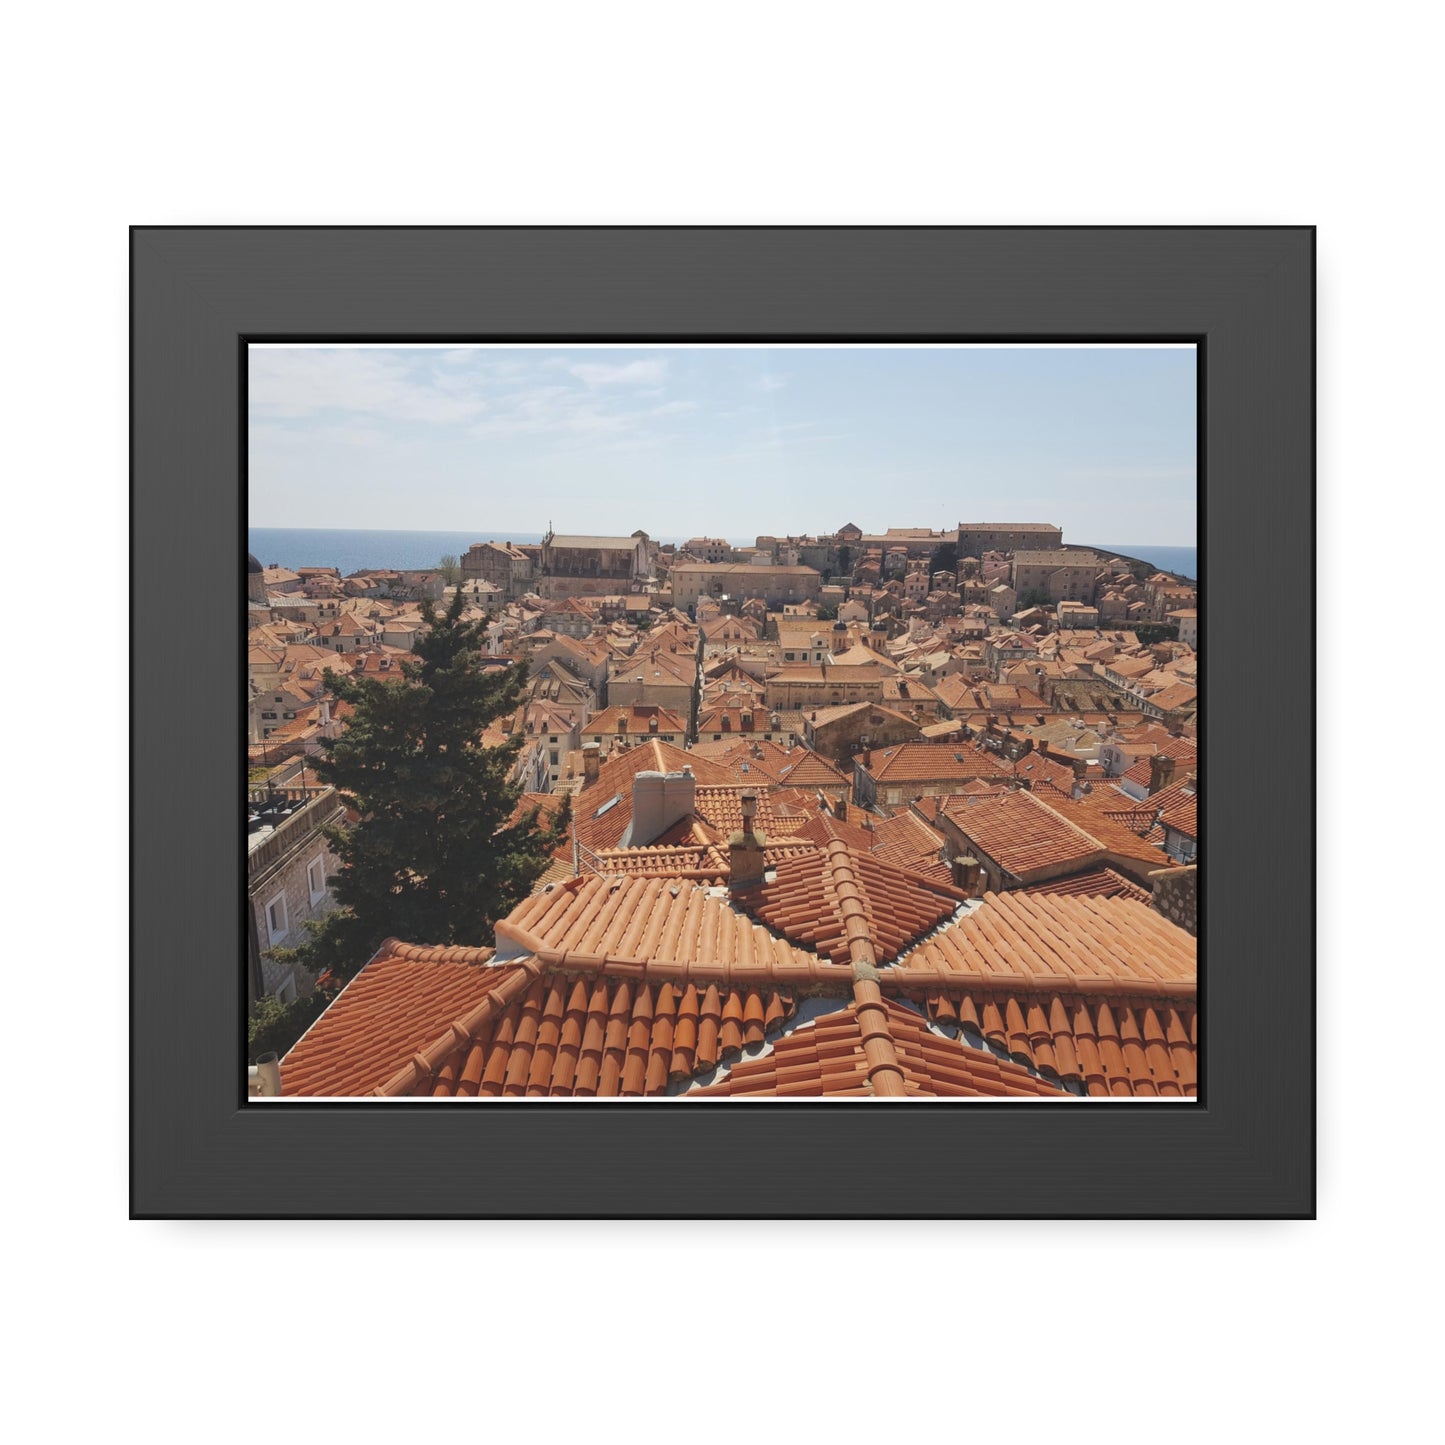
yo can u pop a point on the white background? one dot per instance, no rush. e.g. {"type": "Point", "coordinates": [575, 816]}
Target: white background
{"type": "Point", "coordinates": [651, 113]}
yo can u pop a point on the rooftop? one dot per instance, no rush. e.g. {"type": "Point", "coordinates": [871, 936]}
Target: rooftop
{"type": "Point", "coordinates": [804, 901]}
{"type": "Point", "coordinates": [610, 986]}
{"type": "Point", "coordinates": [1021, 833]}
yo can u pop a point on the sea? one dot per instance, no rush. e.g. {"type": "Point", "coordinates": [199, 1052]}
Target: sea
{"type": "Point", "coordinates": [350, 550]}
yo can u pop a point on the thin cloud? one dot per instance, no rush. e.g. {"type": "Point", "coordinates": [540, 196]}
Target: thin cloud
{"type": "Point", "coordinates": [631, 373]}
{"type": "Point", "coordinates": [305, 383]}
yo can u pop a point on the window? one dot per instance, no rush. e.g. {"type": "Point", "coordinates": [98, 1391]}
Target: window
{"type": "Point", "coordinates": [276, 921]}
{"type": "Point", "coordinates": [287, 991]}
{"type": "Point", "coordinates": [316, 878]}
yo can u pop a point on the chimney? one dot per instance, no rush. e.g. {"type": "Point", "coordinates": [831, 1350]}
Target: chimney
{"type": "Point", "coordinates": [1161, 773]}
{"type": "Point", "coordinates": [264, 1076]}
{"type": "Point", "coordinates": [658, 801]}
{"type": "Point", "coordinates": [591, 761]}
{"type": "Point", "coordinates": [745, 850]}
{"type": "Point", "coordinates": [840, 809]}
{"type": "Point", "coordinates": [966, 871]}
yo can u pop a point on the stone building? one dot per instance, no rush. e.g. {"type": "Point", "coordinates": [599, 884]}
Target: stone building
{"type": "Point", "coordinates": [507, 568]}
{"type": "Point", "coordinates": [659, 677]}
{"type": "Point", "coordinates": [255, 581]}
{"type": "Point", "coordinates": [288, 863]}
{"type": "Point", "coordinates": [775, 585]}
{"type": "Point", "coordinates": [709, 549]}
{"type": "Point", "coordinates": [798, 686]}
{"type": "Point", "coordinates": [577, 566]}
{"type": "Point", "coordinates": [1060, 576]}
{"type": "Point", "coordinates": [976, 538]}
{"type": "Point", "coordinates": [840, 732]}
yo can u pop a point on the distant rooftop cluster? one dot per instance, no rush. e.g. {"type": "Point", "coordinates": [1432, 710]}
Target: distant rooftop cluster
{"type": "Point", "coordinates": [872, 815]}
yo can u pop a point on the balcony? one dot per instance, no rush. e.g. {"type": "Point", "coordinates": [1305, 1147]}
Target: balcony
{"type": "Point", "coordinates": [277, 816]}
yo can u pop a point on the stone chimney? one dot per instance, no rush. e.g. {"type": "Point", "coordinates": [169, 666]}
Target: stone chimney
{"type": "Point", "coordinates": [1161, 773]}
{"type": "Point", "coordinates": [840, 809]}
{"type": "Point", "coordinates": [658, 801]}
{"type": "Point", "coordinates": [591, 761]}
{"type": "Point", "coordinates": [966, 872]}
{"type": "Point", "coordinates": [745, 849]}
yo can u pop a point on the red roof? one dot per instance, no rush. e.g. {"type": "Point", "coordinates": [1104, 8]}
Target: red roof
{"type": "Point", "coordinates": [1098, 883]}
{"type": "Point", "coordinates": [829, 1057]}
{"type": "Point", "coordinates": [1021, 833]}
{"type": "Point", "coordinates": [637, 986]}
{"type": "Point", "coordinates": [1098, 990]}
{"type": "Point", "coordinates": [804, 903]}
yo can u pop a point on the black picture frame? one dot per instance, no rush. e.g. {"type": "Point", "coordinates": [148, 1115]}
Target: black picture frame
{"type": "Point", "coordinates": [1245, 1149]}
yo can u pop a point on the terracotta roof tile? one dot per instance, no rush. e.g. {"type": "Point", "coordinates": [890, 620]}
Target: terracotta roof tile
{"type": "Point", "coordinates": [1101, 991]}
{"type": "Point", "coordinates": [935, 762]}
{"type": "Point", "coordinates": [634, 986]}
{"type": "Point", "coordinates": [829, 1058]}
{"type": "Point", "coordinates": [906, 841]}
{"type": "Point", "coordinates": [602, 826]}
{"type": "Point", "coordinates": [1021, 833]}
{"type": "Point", "coordinates": [401, 1001]}
{"type": "Point", "coordinates": [1099, 883]}
{"type": "Point", "coordinates": [804, 902]}
{"type": "Point", "coordinates": [636, 718]}
{"type": "Point", "coordinates": [657, 926]}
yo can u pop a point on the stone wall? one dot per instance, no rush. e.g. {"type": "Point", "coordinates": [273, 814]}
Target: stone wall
{"type": "Point", "coordinates": [1176, 896]}
{"type": "Point", "coordinates": [279, 866]}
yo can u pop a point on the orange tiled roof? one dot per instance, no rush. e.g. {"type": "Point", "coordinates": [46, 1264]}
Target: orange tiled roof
{"type": "Point", "coordinates": [794, 767]}
{"type": "Point", "coordinates": [402, 999]}
{"type": "Point", "coordinates": [804, 903]}
{"type": "Point", "coordinates": [636, 718]}
{"type": "Point", "coordinates": [1182, 750]}
{"type": "Point", "coordinates": [664, 924]}
{"type": "Point", "coordinates": [824, 828]}
{"type": "Point", "coordinates": [633, 986]}
{"type": "Point", "coordinates": [656, 666]}
{"type": "Point", "coordinates": [829, 1057]}
{"type": "Point", "coordinates": [1099, 883]}
{"type": "Point", "coordinates": [1021, 833]}
{"type": "Point", "coordinates": [1178, 806]}
{"type": "Point", "coordinates": [722, 808]}
{"type": "Point", "coordinates": [601, 826]}
{"type": "Point", "coordinates": [548, 805]}
{"type": "Point", "coordinates": [1092, 813]}
{"type": "Point", "coordinates": [907, 842]}
{"type": "Point", "coordinates": [905, 836]}
{"type": "Point", "coordinates": [931, 762]}
{"type": "Point", "coordinates": [1098, 990]}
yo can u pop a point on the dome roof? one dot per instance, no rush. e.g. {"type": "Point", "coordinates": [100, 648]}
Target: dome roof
{"type": "Point", "coordinates": [252, 565]}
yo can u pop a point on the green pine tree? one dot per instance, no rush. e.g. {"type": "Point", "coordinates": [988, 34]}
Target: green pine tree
{"type": "Point", "coordinates": [434, 857]}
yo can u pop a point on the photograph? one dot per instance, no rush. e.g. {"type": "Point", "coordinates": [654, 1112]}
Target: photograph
{"type": "Point", "coordinates": [746, 720]}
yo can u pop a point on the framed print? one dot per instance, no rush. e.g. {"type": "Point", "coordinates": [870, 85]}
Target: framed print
{"type": "Point", "coordinates": [821, 869]}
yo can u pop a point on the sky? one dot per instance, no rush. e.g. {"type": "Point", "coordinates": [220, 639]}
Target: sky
{"type": "Point", "coordinates": [725, 441]}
